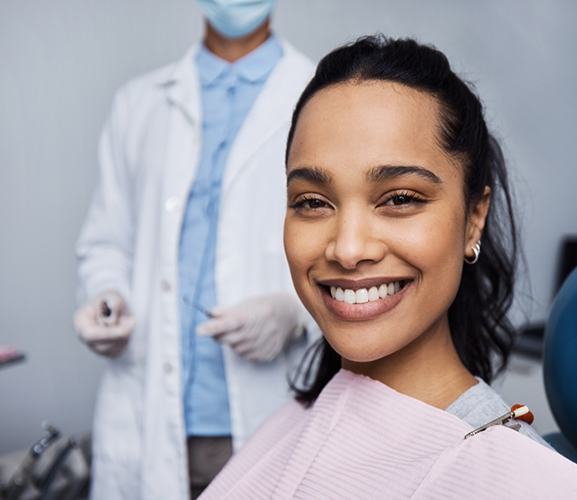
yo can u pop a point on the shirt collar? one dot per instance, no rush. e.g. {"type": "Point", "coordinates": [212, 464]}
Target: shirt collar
{"type": "Point", "coordinates": [254, 67]}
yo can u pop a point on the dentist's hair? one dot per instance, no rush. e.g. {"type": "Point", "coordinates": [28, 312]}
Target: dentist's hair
{"type": "Point", "coordinates": [481, 331]}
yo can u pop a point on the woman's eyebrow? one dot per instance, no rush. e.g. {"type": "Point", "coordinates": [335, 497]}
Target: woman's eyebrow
{"type": "Point", "coordinates": [384, 172]}
{"type": "Point", "coordinates": [311, 174]}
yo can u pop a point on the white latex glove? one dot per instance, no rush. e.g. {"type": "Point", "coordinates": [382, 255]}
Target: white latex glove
{"type": "Point", "coordinates": [259, 328]}
{"type": "Point", "coordinates": [105, 324]}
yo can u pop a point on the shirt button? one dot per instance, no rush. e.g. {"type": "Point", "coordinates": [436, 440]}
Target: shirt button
{"type": "Point", "coordinates": [171, 204]}
{"type": "Point", "coordinates": [168, 368]}
{"type": "Point", "coordinates": [165, 285]}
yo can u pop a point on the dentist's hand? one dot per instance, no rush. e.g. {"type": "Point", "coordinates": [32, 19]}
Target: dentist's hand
{"type": "Point", "coordinates": [259, 328]}
{"type": "Point", "coordinates": [105, 324]}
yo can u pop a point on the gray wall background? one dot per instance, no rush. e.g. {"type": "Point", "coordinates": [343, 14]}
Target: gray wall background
{"type": "Point", "coordinates": [60, 62]}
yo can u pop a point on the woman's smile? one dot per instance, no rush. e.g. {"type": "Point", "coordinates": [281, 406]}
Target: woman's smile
{"type": "Point", "coordinates": [363, 299]}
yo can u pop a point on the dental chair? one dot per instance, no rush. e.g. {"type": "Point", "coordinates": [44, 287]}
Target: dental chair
{"type": "Point", "coordinates": [560, 367]}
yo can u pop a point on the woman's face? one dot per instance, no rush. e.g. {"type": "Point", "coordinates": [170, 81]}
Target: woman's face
{"type": "Point", "coordinates": [376, 227]}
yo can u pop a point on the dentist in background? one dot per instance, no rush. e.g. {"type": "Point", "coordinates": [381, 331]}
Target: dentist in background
{"type": "Point", "coordinates": [181, 266]}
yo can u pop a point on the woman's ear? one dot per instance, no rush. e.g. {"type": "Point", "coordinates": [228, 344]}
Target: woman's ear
{"type": "Point", "coordinates": [476, 222]}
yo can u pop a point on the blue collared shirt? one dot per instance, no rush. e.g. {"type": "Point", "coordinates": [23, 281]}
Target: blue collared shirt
{"type": "Point", "coordinates": [228, 92]}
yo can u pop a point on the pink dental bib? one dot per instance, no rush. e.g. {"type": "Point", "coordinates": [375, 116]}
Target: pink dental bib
{"type": "Point", "coordinates": [363, 440]}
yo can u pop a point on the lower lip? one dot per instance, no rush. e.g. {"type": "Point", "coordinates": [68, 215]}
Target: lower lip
{"type": "Point", "coordinates": [366, 311]}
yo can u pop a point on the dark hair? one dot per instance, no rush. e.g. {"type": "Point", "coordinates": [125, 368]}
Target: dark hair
{"type": "Point", "coordinates": [480, 329]}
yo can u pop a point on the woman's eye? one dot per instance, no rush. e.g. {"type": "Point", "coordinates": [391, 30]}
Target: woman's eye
{"type": "Point", "coordinates": [309, 205]}
{"type": "Point", "coordinates": [402, 199]}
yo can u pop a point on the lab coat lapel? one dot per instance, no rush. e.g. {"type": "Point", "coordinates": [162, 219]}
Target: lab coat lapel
{"type": "Point", "coordinates": [182, 87]}
{"type": "Point", "coordinates": [182, 140]}
{"type": "Point", "coordinates": [184, 128]}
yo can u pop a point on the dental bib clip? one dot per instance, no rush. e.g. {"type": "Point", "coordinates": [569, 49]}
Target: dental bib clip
{"type": "Point", "coordinates": [518, 412]}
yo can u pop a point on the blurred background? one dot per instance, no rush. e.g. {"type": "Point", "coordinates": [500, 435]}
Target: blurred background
{"type": "Point", "coordinates": [60, 62]}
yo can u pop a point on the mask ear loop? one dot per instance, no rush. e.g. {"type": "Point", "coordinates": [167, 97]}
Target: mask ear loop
{"type": "Point", "coordinates": [476, 253]}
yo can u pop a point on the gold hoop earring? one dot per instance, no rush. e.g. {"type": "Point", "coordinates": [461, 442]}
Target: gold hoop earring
{"type": "Point", "coordinates": [476, 253]}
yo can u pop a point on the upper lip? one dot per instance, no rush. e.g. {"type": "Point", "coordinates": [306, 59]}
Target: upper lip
{"type": "Point", "coordinates": [361, 283]}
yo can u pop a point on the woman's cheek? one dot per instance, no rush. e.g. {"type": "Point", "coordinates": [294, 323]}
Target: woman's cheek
{"type": "Point", "coordinates": [428, 240]}
{"type": "Point", "coordinates": [304, 237]}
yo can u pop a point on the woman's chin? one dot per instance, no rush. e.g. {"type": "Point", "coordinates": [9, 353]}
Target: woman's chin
{"type": "Point", "coordinates": [358, 352]}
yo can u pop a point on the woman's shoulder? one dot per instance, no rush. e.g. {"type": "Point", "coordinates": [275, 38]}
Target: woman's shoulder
{"type": "Point", "coordinates": [481, 404]}
{"type": "Point", "coordinates": [361, 437]}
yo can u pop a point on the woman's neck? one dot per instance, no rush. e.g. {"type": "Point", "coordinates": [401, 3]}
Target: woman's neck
{"type": "Point", "coordinates": [429, 369]}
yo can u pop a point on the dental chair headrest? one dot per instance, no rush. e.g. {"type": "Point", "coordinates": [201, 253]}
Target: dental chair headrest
{"type": "Point", "coordinates": [560, 359]}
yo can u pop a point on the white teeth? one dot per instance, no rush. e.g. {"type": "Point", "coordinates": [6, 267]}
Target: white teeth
{"type": "Point", "coordinates": [362, 295]}
{"type": "Point", "coordinates": [350, 296]}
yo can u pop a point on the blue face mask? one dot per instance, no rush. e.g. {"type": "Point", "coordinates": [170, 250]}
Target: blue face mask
{"type": "Point", "coordinates": [236, 18]}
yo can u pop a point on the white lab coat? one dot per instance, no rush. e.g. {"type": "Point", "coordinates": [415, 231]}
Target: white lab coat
{"type": "Point", "coordinates": [148, 156]}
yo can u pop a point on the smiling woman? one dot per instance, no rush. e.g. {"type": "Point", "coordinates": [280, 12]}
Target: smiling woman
{"type": "Point", "coordinates": [376, 238]}
{"type": "Point", "coordinates": [410, 173]}
{"type": "Point", "coordinates": [393, 183]}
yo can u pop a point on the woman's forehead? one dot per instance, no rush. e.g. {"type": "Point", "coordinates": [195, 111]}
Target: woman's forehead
{"type": "Point", "coordinates": [373, 102]}
{"type": "Point", "coordinates": [367, 124]}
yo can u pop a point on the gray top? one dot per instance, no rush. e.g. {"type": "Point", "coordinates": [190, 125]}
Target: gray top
{"type": "Point", "coordinates": [480, 404]}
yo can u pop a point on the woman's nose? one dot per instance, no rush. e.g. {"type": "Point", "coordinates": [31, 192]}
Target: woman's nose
{"type": "Point", "coordinates": [355, 241]}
